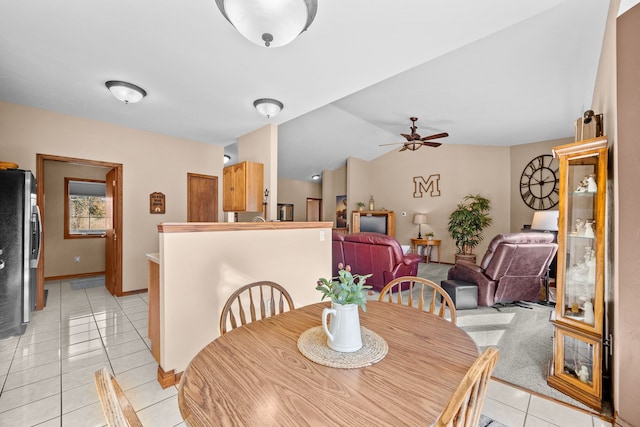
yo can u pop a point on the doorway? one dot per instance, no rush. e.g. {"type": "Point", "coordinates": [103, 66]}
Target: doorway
{"type": "Point", "coordinates": [113, 235]}
{"type": "Point", "coordinates": [314, 209]}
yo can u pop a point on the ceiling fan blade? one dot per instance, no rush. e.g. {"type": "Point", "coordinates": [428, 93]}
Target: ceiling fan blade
{"type": "Point", "coordinates": [431, 144]}
{"type": "Point", "coordinates": [393, 143]}
{"type": "Point", "coordinates": [403, 148]}
{"type": "Point", "coordinates": [407, 136]}
{"type": "Point", "coordinates": [436, 136]}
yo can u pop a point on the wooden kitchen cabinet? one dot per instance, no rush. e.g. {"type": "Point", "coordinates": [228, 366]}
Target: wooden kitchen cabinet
{"type": "Point", "coordinates": [242, 187]}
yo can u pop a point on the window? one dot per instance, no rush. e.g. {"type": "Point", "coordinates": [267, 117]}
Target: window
{"type": "Point", "coordinates": [84, 208]}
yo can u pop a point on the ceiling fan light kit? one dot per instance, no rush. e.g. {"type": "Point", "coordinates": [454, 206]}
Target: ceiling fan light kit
{"type": "Point", "coordinates": [269, 23]}
{"type": "Point", "coordinates": [125, 92]}
{"type": "Point", "coordinates": [268, 107]}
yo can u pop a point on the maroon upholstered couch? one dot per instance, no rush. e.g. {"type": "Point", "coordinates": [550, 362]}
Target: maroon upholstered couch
{"type": "Point", "coordinates": [513, 268]}
{"type": "Point", "coordinates": [373, 253]}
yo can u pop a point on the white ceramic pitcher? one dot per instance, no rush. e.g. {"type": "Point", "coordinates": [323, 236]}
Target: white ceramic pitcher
{"type": "Point", "coordinates": [344, 332]}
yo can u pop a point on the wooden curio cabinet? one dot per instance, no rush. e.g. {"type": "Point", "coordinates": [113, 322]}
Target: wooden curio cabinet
{"type": "Point", "coordinates": [578, 318]}
{"type": "Point", "coordinates": [243, 184]}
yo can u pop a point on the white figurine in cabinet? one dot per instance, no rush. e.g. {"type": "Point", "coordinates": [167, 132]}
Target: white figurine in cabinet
{"type": "Point", "coordinates": [588, 229]}
{"type": "Point", "coordinates": [582, 186]}
{"type": "Point", "coordinates": [583, 374]}
{"type": "Point", "coordinates": [579, 227]}
{"type": "Point", "coordinates": [590, 261]}
{"type": "Point", "coordinates": [592, 187]}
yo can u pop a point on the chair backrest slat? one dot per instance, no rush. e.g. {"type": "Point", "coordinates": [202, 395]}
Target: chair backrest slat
{"type": "Point", "coordinates": [405, 286]}
{"type": "Point", "coordinates": [115, 405]}
{"type": "Point", "coordinates": [266, 304]}
{"type": "Point", "coordinates": [465, 406]}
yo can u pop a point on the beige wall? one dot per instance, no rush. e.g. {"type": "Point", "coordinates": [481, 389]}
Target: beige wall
{"type": "Point", "coordinates": [334, 183]}
{"type": "Point", "coordinates": [151, 162]}
{"type": "Point", "coordinates": [463, 169]}
{"type": "Point", "coordinates": [520, 156]}
{"type": "Point", "coordinates": [626, 239]}
{"type": "Point", "coordinates": [199, 270]}
{"type": "Point", "coordinates": [261, 146]}
{"type": "Point", "coordinates": [296, 192]}
{"type": "Point", "coordinates": [59, 252]}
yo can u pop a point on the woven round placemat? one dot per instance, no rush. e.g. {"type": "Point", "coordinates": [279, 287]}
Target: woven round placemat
{"type": "Point", "coordinates": [313, 345]}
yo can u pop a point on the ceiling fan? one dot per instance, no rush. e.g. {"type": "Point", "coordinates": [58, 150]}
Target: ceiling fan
{"type": "Point", "coordinates": [415, 141]}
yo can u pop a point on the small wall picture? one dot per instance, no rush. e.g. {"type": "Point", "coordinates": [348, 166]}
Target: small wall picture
{"type": "Point", "coordinates": [156, 203]}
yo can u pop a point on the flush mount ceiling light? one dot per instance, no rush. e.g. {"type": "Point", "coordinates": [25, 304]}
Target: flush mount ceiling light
{"type": "Point", "coordinates": [268, 107]}
{"type": "Point", "coordinates": [125, 92]}
{"type": "Point", "coordinates": [269, 23]}
{"type": "Point", "coordinates": [315, 177]}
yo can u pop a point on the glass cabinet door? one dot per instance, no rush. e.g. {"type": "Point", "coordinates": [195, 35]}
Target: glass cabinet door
{"type": "Point", "coordinates": [578, 365]}
{"type": "Point", "coordinates": [581, 243]}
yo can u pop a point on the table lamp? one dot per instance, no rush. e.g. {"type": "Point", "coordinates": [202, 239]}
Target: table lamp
{"type": "Point", "coordinates": [545, 221]}
{"type": "Point", "coordinates": [419, 218]}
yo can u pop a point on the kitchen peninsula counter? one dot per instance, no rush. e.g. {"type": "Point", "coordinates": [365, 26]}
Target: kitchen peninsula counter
{"type": "Point", "coordinates": [201, 264]}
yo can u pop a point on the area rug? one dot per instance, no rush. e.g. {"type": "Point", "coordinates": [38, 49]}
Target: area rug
{"type": "Point", "coordinates": [523, 334]}
{"type": "Point", "coordinates": [89, 282]}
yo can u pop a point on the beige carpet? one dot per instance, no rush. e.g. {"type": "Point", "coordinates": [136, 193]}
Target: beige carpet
{"type": "Point", "coordinates": [524, 337]}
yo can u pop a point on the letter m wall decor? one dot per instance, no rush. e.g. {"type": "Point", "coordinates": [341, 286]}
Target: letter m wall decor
{"type": "Point", "coordinates": [431, 186]}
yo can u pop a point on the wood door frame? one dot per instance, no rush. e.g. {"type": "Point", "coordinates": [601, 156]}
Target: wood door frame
{"type": "Point", "coordinates": [40, 163]}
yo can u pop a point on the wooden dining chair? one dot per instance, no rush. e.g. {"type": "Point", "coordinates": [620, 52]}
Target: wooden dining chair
{"type": "Point", "coordinates": [465, 406]}
{"type": "Point", "coordinates": [115, 405]}
{"type": "Point", "coordinates": [401, 291]}
{"type": "Point", "coordinates": [269, 297]}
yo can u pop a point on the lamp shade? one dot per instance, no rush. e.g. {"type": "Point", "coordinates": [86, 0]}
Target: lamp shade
{"type": "Point", "coordinates": [545, 220]}
{"type": "Point", "coordinates": [268, 107]}
{"type": "Point", "coordinates": [420, 218]}
{"type": "Point", "coordinates": [125, 92]}
{"type": "Point", "coordinates": [270, 23]}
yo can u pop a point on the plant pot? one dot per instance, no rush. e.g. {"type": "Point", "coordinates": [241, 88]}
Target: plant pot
{"type": "Point", "coordinates": [344, 333]}
{"type": "Point", "coordinates": [469, 258]}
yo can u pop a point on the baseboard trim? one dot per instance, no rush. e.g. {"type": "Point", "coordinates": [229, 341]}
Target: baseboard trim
{"type": "Point", "coordinates": [137, 291]}
{"type": "Point", "coordinates": [75, 276]}
{"type": "Point", "coordinates": [169, 378]}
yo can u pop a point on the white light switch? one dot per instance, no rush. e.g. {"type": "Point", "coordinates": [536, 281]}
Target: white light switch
{"type": "Point", "coordinates": [322, 236]}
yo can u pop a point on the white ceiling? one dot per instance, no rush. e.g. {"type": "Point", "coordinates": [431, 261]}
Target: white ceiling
{"type": "Point", "coordinates": [491, 72]}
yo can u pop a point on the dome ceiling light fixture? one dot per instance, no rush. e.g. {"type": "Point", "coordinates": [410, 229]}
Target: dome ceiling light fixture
{"type": "Point", "coordinates": [125, 92]}
{"type": "Point", "coordinates": [269, 23]}
{"type": "Point", "coordinates": [227, 158]}
{"type": "Point", "coordinates": [268, 107]}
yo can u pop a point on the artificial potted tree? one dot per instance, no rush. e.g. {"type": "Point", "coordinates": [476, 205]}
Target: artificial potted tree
{"type": "Point", "coordinates": [466, 224]}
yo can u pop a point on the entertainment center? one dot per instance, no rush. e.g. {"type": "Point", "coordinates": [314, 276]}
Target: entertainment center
{"type": "Point", "coordinates": [383, 222]}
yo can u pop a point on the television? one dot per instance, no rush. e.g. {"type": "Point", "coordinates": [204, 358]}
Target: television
{"type": "Point", "coordinates": [375, 224]}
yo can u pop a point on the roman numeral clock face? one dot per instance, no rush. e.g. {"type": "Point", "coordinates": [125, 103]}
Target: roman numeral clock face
{"type": "Point", "coordinates": [540, 183]}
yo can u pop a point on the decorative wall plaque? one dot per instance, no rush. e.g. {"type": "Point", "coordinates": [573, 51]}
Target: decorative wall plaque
{"type": "Point", "coordinates": [156, 203]}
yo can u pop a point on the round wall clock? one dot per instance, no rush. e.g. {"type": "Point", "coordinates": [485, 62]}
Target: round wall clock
{"type": "Point", "coordinates": [540, 183]}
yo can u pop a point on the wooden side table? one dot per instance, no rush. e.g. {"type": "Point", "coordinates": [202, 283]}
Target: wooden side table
{"type": "Point", "coordinates": [428, 247]}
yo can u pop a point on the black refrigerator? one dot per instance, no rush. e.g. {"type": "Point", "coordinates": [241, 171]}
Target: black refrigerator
{"type": "Point", "coordinates": [20, 237]}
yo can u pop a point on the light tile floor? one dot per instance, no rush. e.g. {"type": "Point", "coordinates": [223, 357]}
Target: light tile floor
{"type": "Point", "coordinates": [47, 374]}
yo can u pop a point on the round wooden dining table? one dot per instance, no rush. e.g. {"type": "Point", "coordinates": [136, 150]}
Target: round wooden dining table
{"type": "Point", "coordinates": [255, 375]}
